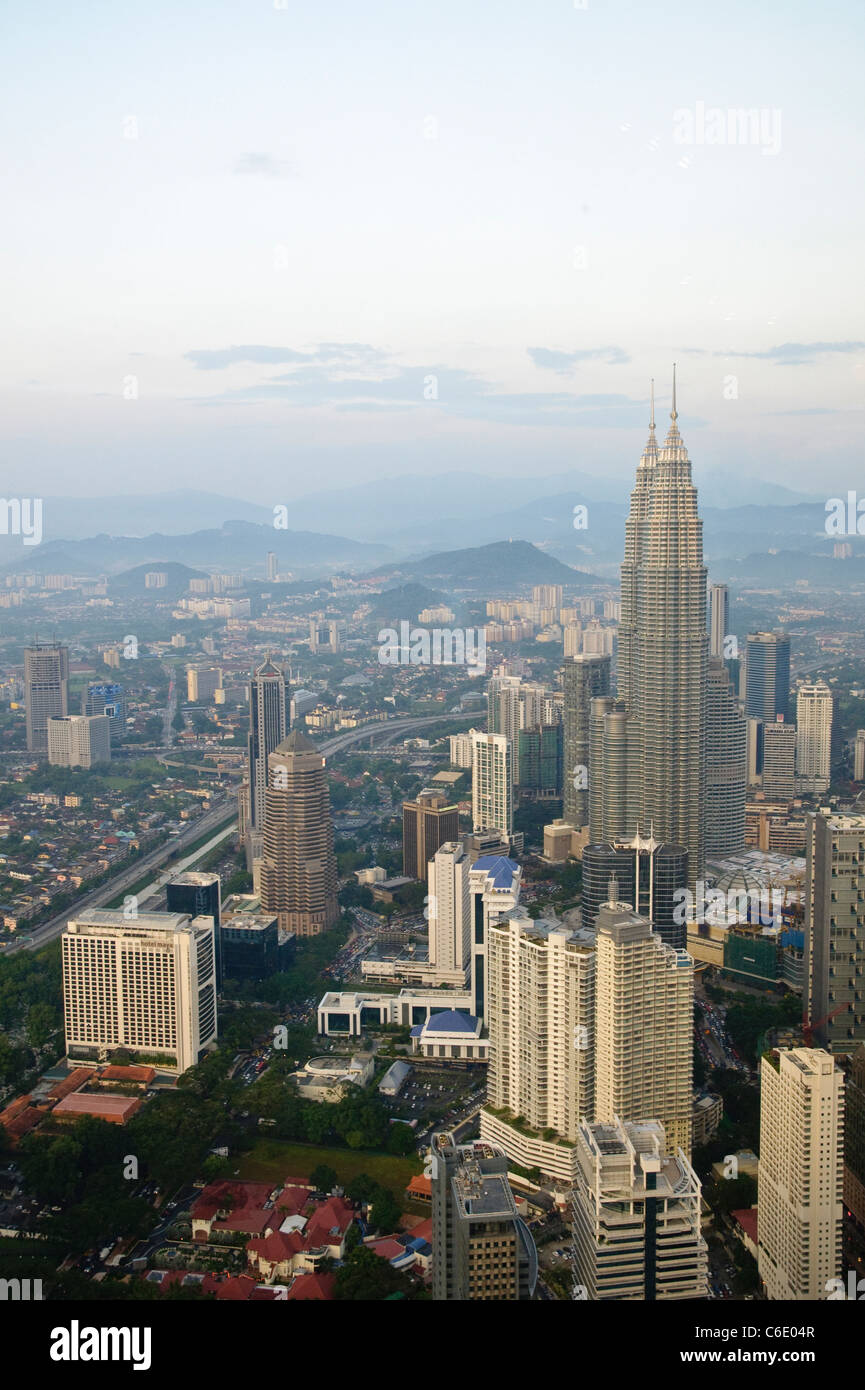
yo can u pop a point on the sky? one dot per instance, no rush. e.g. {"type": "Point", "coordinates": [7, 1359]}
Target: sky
{"type": "Point", "coordinates": [263, 247]}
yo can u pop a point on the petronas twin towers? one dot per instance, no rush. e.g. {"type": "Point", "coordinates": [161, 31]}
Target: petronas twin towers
{"type": "Point", "coordinates": [648, 746]}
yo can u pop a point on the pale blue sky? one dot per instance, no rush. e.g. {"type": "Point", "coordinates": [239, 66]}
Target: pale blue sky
{"type": "Point", "coordinates": [360, 197]}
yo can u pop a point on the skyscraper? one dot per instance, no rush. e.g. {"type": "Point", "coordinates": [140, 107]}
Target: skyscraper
{"type": "Point", "coordinates": [779, 760]}
{"type": "Point", "coordinates": [859, 756]}
{"type": "Point", "coordinates": [482, 1250]}
{"type": "Point", "coordinates": [271, 567]}
{"type": "Point", "coordinates": [449, 917]}
{"type": "Point", "coordinates": [144, 983]}
{"type": "Point", "coordinates": [636, 1216]}
{"type": "Point", "coordinates": [539, 760]}
{"type": "Point", "coordinates": [814, 707]}
{"type": "Point", "coordinates": [767, 676]}
{"type": "Point", "coordinates": [726, 765]}
{"type": "Point", "coordinates": [198, 895]}
{"type": "Point", "coordinates": [78, 740]}
{"type": "Point", "coordinates": [644, 1030]}
{"type": "Point", "coordinates": [719, 618]}
{"type": "Point", "coordinates": [110, 699]}
{"type": "Point", "coordinates": [267, 729]}
{"type": "Point", "coordinates": [298, 867]}
{"type": "Point", "coordinates": [583, 677]}
{"type": "Point", "coordinates": [428, 822]}
{"type": "Point", "coordinates": [46, 690]}
{"type": "Point", "coordinates": [494, 890]}
{"type": "Point", "coordinates": [492, 782]}
{"type": "Point", "coordinates": [657, 761]}
{"type": "Point", "coordinates": [835, 930]}
{"type": "Point", "coordinates": [800, 1212]}
{"type": "Point", "coordinates": [649, 875]}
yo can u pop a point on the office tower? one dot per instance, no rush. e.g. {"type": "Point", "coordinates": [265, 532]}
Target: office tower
{"type": "Point", "coordinates": [859, 756]}
{"type": "Point", "coordinates": [835, 930]}
{"type": "Point", "coordinates": [636, 1216]}
{"type": "Point", "coordinates": [767, 676]}
{"type": "Point", "coordinates": [614, 753]}
{"type": "Point", "coordinates": [46, 690]}
{"type": "Point", "coordinates": [854, 1151]}
{"type": "Point", "coordinates": [492, 782]}
{"type": "Point", "coordinates": [202, 683]}
{"type": "Point", "coordinates": [494, 891]}
{"type": "Point", "coordinates": [541, 1025]}
{"type": "Point", "coordinates": [325, 635]}
{"type": "Point", "coordinates": [78, 740]}
{"type": "Point", "coordinates": [650, 877]}
{"type": "Point", "coordinates": [298, 867]}
{"type": "Point", "coordinates": [460, 750]}
{"type": "Point", "coordinates": [267, 729]}
{"type": "Point", "coordinates": [649, 748]}
{"type": "Point", "coordinates": [144, 983]}
{"type": "Point", "coordinates": [583, 678]}
{"type": "Point", "coordinates": [271, 567]}
{"type": "Point", "coordinates": [250, 944]}
{"type": "Point", "coordinates": [198, 895]}
{"type": "Point", "coordinates": [428, 822]}
{"type": "Point", "coordinates": [539, 760]}
{"type": "Point", "coordinates": [779, 761]}
{"type": "Point", "coordinates": [800, 1211]}
{"type": "Point", "coordinates": [644, 1028]}
{"type": "Point", "coordinates": [719, 618]}
{"type": "Point", "coordinates": [726, 765]}
{"type": "Point", "coordinates": [108, 699]}
{"type": "Point", "coordinates": [449, 915]}
{"type": "Point", "coordinates": [482, 1250]}
{"type": "Point", "coordinates": [814, 736]}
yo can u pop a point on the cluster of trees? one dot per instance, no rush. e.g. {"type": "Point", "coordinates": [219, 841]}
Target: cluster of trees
{"type": "Point", "coordinates": [365, 1277]}
{"type": "Point", "coordinates": [749, 1017]}
{"type": "Point", "coordinates": [30, 1010]}
{"type": "Point", "coordinates": [360, 1120]}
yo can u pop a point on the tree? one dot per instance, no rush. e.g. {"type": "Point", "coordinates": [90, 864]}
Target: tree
{"type": "Point", "coordinates": [323, 1178]}
{"type": "Point", "coordinates": [366, 1277]}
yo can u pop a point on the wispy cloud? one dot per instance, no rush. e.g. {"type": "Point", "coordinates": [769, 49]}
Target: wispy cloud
{"type": "Point", "coordinates": [215, 359]}
{"type": "Point", "coordinates": [786, 354]}
{"type": "Point", "coordinates": [551, 359]}
{"type": "Point", "coordinates": [265, 166]}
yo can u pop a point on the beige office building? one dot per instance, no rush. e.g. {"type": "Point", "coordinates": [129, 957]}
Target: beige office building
{"type": "Point", "coordinates": [79, 740]}
{"type": "Point", "coordinates": [298, 864]}
{"type": "Point", "coordinates": [145, 983]}
{"type": "Point", "coordinates": [814, 707]}
{"type": "Point", "coordinates": [800, 1210]}
{"type": "Point", "coordinates": [492, 782]}
{"type": "Point", "coordinates": [449, 915]}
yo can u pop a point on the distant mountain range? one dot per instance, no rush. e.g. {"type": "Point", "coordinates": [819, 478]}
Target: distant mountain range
{"type": "Point", "coordinates": [492, 567]}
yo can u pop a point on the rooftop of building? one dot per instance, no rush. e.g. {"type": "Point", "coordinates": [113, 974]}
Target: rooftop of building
{"type": "Point", "coordinates": [500, 870]}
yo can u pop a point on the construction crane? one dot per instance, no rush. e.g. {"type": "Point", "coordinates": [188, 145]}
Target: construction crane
{"type": "Point", "coordinates": [810, 1026]}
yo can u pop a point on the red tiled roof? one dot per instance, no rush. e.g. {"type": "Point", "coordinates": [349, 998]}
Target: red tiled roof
{"type": "Point", "coordinates": [388, 1248]}
{"type": "Point", "coordinates": [244, 1202]}
{"type": "Point", "coordinates": [278, 1246]}
{"type": "Point", "coordinates": [73, 1082]}
{"type": "Point", "coordinates": [335, 1212]}
{"type": "Point", "coordinates": [424, 1231]}
{"type": "Point", "coordinates": [420, 1186]}
{"type": "Point", "coordinates": [313, 1286]}
{"type": "Point", "coordinates": [747, 1219]}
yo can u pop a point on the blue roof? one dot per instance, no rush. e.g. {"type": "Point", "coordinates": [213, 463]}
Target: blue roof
{"type": "Point", "coordinates": [416, 1031]}
{"type": "Point", "coordinates": [452, 1021]}
{"type": "Point", "coordinates": [499, 868]}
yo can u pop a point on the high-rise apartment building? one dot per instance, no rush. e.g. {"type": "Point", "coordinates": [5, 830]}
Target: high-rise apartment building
{"type": "Point", "coordinates": [494, 891]}
{"type": "Point", "coordinates": [854, 1150]}
{"type": "Point", "coordinates": [636, 1217]}
{"type": "Point", "coordinates": [78, 740]}
{"type": "Point", "coordinates": [271, 567]}
{"type": "Point", "coordinates": [649, 749]}
{"type": "Point", "coordinates": [650, 877]}
{"type": "Point", "coordinates": [460, 750]}
{"type": "Point", "coordinates": [144, 983]}
{"type": "Point", "coordinates": [779, 761]}
{"type": "Point", "coordinates": [298, 866]}
{"type": "Point", "coordinates": [644, 1028]}
{"type": "Point", "coordinates": [198, 894]}
{"type": "Point", "coordinates": [482, 1250]}
{"type": "Point", "coordinates": [449, 915]}
{"type": "Point", "coordinates": [800, 1211]}
{"type": "Point", "coordinates": [267, 729]}
{"type": "Point", "coordinates": [428, 822]}
{"type": "Point", "coordinates": [46, 690]}
{"type": "Point", "coordinates": [814, 705]}
{"type": "Point", "coordinates": [834, 997]}
{"type": "Point", "coordinates": [108, 699]}
{"type": "Point", "coordinates": [541, 1027]}
{"type": "Point", "coordinates": [859, 756]}
{"type": "Point", "coordinates": [202, 683]}
{"type": "Point", "coordinates": [767, 676]}
{"type": "Point", "coordinates": [726, 765]}
{"type": "Point", "coordinates": [492, 782]}
{"type": "Point", "coordinates": [719, 618]}
{"type": "Point", "coordinates": [583, 678]}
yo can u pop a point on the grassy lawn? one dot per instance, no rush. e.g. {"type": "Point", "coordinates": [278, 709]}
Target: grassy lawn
{"type": "Point", "coordinates": [272, 1160]}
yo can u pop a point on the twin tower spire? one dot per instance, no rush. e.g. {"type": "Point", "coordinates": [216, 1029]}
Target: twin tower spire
{"type": "Point", "coordinates": [673, 449]}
